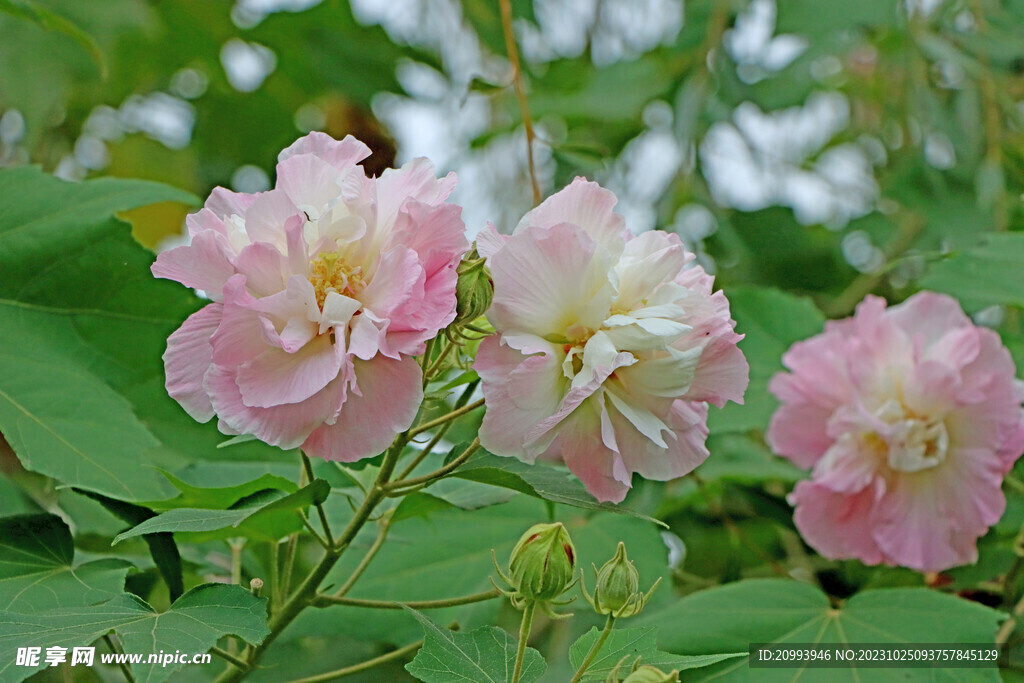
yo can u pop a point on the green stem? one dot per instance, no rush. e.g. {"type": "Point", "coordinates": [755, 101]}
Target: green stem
{"type": "Point", "coordinates": [306, 592]}
{"type": "Point", "coordinates": [227, 656]}
{"type": "Point", "coordinates": [437, 474]}
{"type": "Point", "coordinates": [125, 669]}
{"type": "Point", "coordinates": [594, 649]}
{"type": "Point", "coordinates": [517, 82]}
{"type": "Point", "coordinates": [427, 426]}
{"type": "Point", "coordinates": [313, 532]}
{"type": "Point", "coordinates": [276, 596]}
{"type": "Point", "coordinates": [428, 374]}
{"type": "Point", "coordinates": [459, 403]}
{"type": "Point", "coordinates": [363, 666]}
{"type": "Point", "coordinates": [308, 466]}
{"type": "Point", "coordinates": [365, 562]}
{"type": "Point", "coordinates": [524, 635]}
{"type": "Point", "coordinates": [329, 600]}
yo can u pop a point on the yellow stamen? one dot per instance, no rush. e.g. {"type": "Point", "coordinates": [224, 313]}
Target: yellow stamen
{"type": "Point", "coordinates": [329, 273]}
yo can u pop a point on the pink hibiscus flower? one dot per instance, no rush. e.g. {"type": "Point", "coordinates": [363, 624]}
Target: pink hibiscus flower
{"type": "Point", "coordinates": [608, 346]}
{"type": "Point", "coordinates": [909, 417]}
{"type": "Point", "coordinates": [323, 289]}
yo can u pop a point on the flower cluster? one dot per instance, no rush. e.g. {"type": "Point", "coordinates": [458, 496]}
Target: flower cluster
{"type": "Point", "coordinates": [909, 418]}
{"type": "Point", "coordinates": [609, 345]}
{"type": "Point", "coordinates": [324, 289]}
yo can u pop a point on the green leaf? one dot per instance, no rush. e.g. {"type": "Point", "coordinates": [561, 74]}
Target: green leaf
{"type": "Point", "coordinates": [731, 617]}
{"type": "Point", "coordinates": [75, 287]}
{"type": "Point", "coordinates": [194, 623]}
{"type": "Point", "coordinates": [37, 571]}
{"type": "Point", "coordinates": [51, 21]}
{"type": "Point", "coordinates": [771, 320]}
{"type": "Point", "coordinates": [219, 497]}
{"type": "Point", "coordinates": [252, 517]}
{"type": "Point", "coordinates": [982, 276]}
{"type": "Point", "coordinates": [630, 644]}
{"type": "Point", "coordinates": [742, 459]}
{"type": "Point", "coordinates": [451, 492]}
{"type": "Point", "coordinates": [537, 480]}
{"type": "Point", "coordinates": [162, 547]}
{"type": "Point", "coordinates": [484, 655]}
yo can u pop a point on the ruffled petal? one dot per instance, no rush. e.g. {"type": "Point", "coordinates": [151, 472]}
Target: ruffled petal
{"type": "Point", "coordinates": [390, 396]}
{"type": "Point", "coordinates": [186, 359]}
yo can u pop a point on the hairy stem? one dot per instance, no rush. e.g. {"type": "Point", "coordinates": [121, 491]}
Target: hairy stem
{"type": "Point", "coordinates": [363, 666]}
{"type": "Point", "coordinates": [517, 82]}
{"type": "Point", "coordinates": [227, 656]}
{"type": "Point", "coordinates": [594, 649]}
{"type": "Point", "coordinates": [524, 635]}
{"type": "Point", "coordinates": [328, 600]}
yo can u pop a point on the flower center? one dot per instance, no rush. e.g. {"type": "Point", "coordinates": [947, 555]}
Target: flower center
{"type": "Point", "coordinates": [329, 273]}
{"type": "Point", "coordinates": [913, 443]}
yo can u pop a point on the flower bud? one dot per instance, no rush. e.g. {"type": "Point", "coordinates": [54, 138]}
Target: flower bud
{"type": "Point", "coordinates": [474, 289]}
{"type": "Point", "coordinates": [618, 587]}
{"type": "Point", "coordinates": [543, 562]}
{"type": "Point", "coordinates": [648, 674]}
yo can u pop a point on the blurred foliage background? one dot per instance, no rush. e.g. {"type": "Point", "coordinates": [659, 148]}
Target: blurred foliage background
{"type": "Point", "coordinates": [823, 149]}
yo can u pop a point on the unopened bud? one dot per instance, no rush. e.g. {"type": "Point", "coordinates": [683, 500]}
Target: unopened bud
{"type": "Point", "coordinates": [618, 587]}
{"type": "Point", "coordinates": [474, 289]}
{"type": "Point", "coordinates": [648, 674]}
{"type": "Point", "coordinates": [256, 585]}
{"type": "Point", "coordinates": [543, 562]}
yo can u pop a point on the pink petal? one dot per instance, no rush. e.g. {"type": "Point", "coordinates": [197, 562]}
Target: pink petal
{"type": "Point", "coordinates": [263, 266]}
{"type": "Point", "coordinates": [798, 431]}
{"type": "Point", "coordinates": [838, 526]}
{"type": "Point", "coordinates": [520, 390]}
{"type": "Point", "coordinates": [309, 182]}
{"type": "Point", "coordinates": [928, 316]}
{"type": "Point", "coordinates": [489, 241]}
{"type": "Point", "coordinates": [204, 264]}
{"type": "Point", "coordinates": [339, 153]}
{"type": "Point", "coordinates": [267, 217]}
{"type": "Point", "coordinates": [287, 425]}
{"type": "Point", "coordinates": [276, 377]}
{"type": "Point", "coordinates": [721, 375]}
{"type": "Point", "coordinates": [585, 204]}
{"type": "Point", "coordinates": [186, 359]}
{"type": "Point", "coordinates": [391, 395]}
{"type": "Point", "coordinates": [932, 521]}
{"type": "Point", "coordinates": [416, 182]}
{"type": "Point", "coordinates": [397, 277]}
{"type": "Point", "coordinates": [648, 260]}
{"type": "Point", "coordinates": [580, 445]}
{"type": "Point", "coordinates": [547, 280]}
{"type": "Point", "coordinates": [225, 203]}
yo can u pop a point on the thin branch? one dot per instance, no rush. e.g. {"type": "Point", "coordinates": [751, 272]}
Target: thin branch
{"type": "Point", "coordinates": [365, 562]}
{"type": "Point", "coordinates": [437, 474]}
{"type": "Point", "coordinates": [329, 600]}
{"type": "Point", "coordinates": [227, 656]}
{"type": "Point", "coordinates": [427, 426]}
{"type": "Point", "coordinates": [517, 83]}
{"type": "Point", "coordinates": [363, 666]}
{"type": "Point", "coordinates": [459, 403]}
